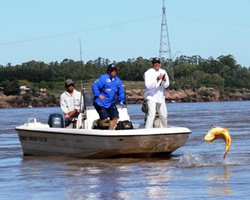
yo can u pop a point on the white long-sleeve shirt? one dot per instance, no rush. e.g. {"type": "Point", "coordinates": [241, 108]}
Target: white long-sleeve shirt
{"type": "Point", "coordinates": [70, 102]}
{"type": "Point", "coordinates": [154, 89]}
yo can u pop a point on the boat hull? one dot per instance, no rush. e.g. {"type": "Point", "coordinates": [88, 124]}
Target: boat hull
{"type": "Point", "coordinates": [43, 141]}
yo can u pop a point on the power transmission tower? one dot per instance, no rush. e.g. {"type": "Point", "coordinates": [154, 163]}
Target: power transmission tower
{"type": "Point", "coordinates": [165, 50]}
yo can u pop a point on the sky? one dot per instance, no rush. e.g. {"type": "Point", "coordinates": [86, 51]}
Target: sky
{"type": "Point", "coordinates": [118, 30]}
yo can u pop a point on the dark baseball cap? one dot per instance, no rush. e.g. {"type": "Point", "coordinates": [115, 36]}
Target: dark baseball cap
{"type": "Point", "coordinates": [156, 60]}
{"type": "Point", "coordinates": [111, 67]}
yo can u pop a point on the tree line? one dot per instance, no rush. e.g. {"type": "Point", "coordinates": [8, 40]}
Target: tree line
{"type": "Point", "coordinates": [185, 72]}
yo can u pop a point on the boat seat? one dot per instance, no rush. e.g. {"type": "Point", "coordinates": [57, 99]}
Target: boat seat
{"type": "Point", "coordinates": [96, 125]}
{"type": "Point", "coordinates": [91, 116]}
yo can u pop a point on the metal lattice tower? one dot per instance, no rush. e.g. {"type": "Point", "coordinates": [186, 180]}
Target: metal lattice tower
{"type": "Point", "coordinates": [165, 50]}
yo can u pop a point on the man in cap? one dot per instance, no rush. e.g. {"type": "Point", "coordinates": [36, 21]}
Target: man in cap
{"type": "Point", "coordinates": [105, 89]}
{"type": "Point", "coordinates": [71, 102]}
{"type": "Point", "coordinates": [156, 81]}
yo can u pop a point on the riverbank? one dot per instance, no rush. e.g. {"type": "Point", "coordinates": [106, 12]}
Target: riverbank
{"type": "Point", "coordinates": [134, 96]}
{"type": "Point", "coordinates": [202, 94]}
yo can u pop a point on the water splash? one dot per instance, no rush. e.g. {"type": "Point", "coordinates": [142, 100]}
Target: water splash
{"type": "Point", "coordinates": [192, 160]}
{"type": "Point", "coordinates": [199, 160]}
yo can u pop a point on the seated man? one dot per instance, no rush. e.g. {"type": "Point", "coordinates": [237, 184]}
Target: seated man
{"type": "Point", "coordinates": [71, 103]}
{"type": "Point", "coordinates": [105, 90]}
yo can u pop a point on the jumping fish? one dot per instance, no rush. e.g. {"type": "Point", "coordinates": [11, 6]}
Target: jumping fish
{"type": "Point", "coordinates": [219, 133]}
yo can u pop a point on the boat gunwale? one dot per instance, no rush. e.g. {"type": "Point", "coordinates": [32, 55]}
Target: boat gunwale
{"type": "Point", "coordinates": [105, 134]}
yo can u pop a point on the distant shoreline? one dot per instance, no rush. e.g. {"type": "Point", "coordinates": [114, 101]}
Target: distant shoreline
{"type": "Point", "coordinates": [134, 96]}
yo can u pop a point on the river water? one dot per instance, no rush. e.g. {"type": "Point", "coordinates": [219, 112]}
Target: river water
{"type": "Point", "coordinates": [195, 171]}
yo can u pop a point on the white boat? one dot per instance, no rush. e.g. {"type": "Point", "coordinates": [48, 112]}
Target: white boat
{"type": "Point", "coordinates": [41, 139]}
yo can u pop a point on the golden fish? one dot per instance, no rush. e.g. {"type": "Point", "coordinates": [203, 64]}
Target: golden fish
{"type": "Point", "coordinates": [219, 133]}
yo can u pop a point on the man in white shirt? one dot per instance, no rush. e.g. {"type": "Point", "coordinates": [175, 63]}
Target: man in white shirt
{"type": "Point", "coordinates": [156, 81]}
{"type": "Point", "coordinates": [71, 103]}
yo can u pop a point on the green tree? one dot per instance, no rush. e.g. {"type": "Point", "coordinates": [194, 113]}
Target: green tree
{"type": "Point", "coordinates": [11, 87]}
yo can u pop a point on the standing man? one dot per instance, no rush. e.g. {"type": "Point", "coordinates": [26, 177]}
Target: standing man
{"type": "Point", "coordinates": [106, 88]}
{"type": "Point", "coordinates": [156, 81]}
{"type": "Point", "coordinates": [71, 102]}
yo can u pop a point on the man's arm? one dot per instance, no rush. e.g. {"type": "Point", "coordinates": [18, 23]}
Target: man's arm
{"type": "Point", "coordinates": [150, 80]}
{"type": "Point", "coordinates": [120, 92]}
{"type": "Point", "coordinates": [63, 104]}
{"type": "Point", "coordinates": [71, 113]}
{"type": "Point", "coordinates": [96, 87]}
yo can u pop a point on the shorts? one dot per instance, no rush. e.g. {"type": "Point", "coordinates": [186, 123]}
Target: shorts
{"type": "Point", "coordinates": [105, 113]}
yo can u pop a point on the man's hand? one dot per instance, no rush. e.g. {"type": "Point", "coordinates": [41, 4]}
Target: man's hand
{"type": "Point", "coordinates": [121, 104]}
{"type": "Point", "coordinates": [161, 77]}
{"type": "Point", "coordinates": [101, 97]}
{"type": "Point", "coordinates": [71, 113]}
{"type": "Point", "coordinates": [66, 116]}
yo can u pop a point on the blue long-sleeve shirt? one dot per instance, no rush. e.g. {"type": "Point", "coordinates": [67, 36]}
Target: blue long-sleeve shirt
{"type": "Point", "coordinates": [109, 87]}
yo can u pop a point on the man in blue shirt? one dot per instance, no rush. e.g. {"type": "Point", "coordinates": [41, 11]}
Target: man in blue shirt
{"type": "Point", "coordinates": [106, 88]}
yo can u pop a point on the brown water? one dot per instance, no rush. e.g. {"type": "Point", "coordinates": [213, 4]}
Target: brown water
{"type": "Point", "coordinates": [195, 171]}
